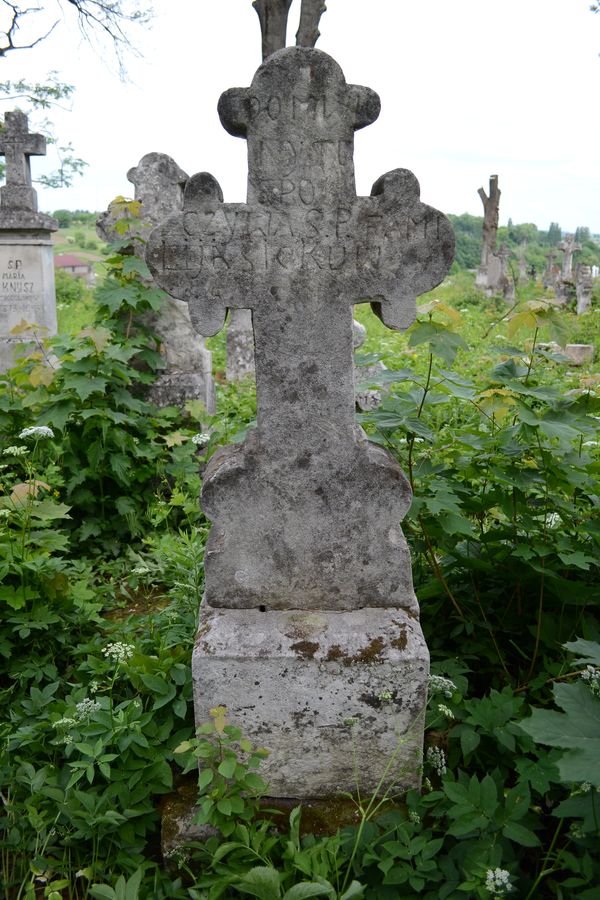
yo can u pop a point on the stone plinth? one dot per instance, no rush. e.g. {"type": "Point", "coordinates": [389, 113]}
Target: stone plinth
{"type": "Point", "coordinates": [27, 291]}
{"type": "Point", "coordinates": [350, 685]}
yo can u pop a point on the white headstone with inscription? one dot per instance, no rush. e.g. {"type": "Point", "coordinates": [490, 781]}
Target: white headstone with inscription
{"type": "Point", "coordinates": [27, 294]}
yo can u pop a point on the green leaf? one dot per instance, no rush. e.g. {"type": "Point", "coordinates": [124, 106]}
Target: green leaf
{"type": "Point", "coordinates": [227, 767]}
{"type": "Point", "coordinates": [224, 806]}
{"type": "Point", "coordinates": [577, 730]}
{"type": "Point", "coordinates": [589, 650]}
{"type": "Point", "coordinates": [521, 835]}
{"type": "Point", "coordinates": [133, 264]}
{"type": "Point", "coordinates": [356, 891]}
{"type": "Point", "coordinates": [50, 509]}
{"type": "Point", "coordinates": [102, 892]}
{"type": "Point", "coordinates": [263, 882]}
{"type": "Point", "coordinates": [308, 889]}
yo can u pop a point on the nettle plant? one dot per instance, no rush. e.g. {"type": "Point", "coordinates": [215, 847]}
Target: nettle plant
{"type": "Point", "coordinates": [504, 524]}
{"type": "Point", "coordinates": [119, 454]}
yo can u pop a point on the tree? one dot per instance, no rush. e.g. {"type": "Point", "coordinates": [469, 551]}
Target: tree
{"type": "Point", "coordinates": [582, 234]}
{"type": "Point", "coordinates": [273, 16]}
{"type": "Point", "coordinates": [554, 236]}
{"type": "Point", "coordinates": [107, 19]}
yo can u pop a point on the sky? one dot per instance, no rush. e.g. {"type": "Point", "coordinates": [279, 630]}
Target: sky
{"type": "Point", "coordinates": [468, 88]}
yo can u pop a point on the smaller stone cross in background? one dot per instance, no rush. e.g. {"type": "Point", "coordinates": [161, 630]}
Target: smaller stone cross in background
{"type": "Point", "coordinates": [569, 246]}
{"type": "Point", "coordinates": [17, 145]}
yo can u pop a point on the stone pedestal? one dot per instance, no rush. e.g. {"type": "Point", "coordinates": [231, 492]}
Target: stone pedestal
{"type": "Point", "coordinates": [335, 697]}
{"type": "Point", "coordinates": [27, 291]}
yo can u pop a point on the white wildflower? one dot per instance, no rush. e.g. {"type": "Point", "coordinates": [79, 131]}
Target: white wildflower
{"type": "Point", "coordinates": [67, 739]}
{"type": "Point", "coordinates": [437, 759]}
{"type": "Point", "coordinates": [576, 831]}
{"type": "Point", "coordinates": [445, 711]}
{"type": "Point", "coordinates": [585, 787]}
{"type": "Point", "coordinates": [85, 708]}
{"type": "Point", "coordinates": [414, 817]}
{"type": "Point", "coordinates": [202, 438]}
{"type": "Point", "coordinates": [591, 676]}
{"type": "Point", "coordinates": [15, 451]}
{"type": "Point", "coordinates": [4, 513]}
{"type": "Point", "coordinates": [497, 882]}
{"type": "Point", "coordinates": [65, 722]}
{"type": "Point", "coordinates": [94, 687]}
{"type": "Point", "coordinates": [427, 784]}
{"type": "Point", "coordinates": [37, 431]}
{"type": "Point", "coordinates": [119, 651]}
{"type": "Point", "coordinates": [140, 570]}
{"type": "Point", "coordinates": [440, 685]}
{"type": "Point", "coordinates": [552, 520]}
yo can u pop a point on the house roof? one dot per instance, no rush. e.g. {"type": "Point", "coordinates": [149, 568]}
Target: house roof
{"type": "Point", "coordinates": [69, 260]}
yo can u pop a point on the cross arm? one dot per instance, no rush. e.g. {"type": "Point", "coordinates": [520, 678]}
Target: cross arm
{"type": "Point", "coordinates": [417, 251]}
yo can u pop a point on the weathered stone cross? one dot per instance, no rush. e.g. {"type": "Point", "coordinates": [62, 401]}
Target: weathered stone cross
{"type": "Point", "coordinates": [569, 247]}
{"type": "Point", "coordinates": [306, 512]}
{"type": "Point", "coordinates": [17, 145]}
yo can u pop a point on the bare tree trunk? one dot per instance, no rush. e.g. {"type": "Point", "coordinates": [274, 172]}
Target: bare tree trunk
{"type": "Point", "coordinates": [273, 16]}
{"type": "Point", "coordinates": [491, 208]}
{"type": "Point", "coordinates": [308, 29]}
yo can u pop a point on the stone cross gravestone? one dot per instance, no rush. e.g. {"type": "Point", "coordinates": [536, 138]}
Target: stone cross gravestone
{"type": "Point", "coordinates": [27, 291]}
{"type": "Point", "coordinates": [159, 185]}
{"type": "Point", "coordinates": [309, 612]}
{"type": "Point", "coordinates": [569, 246]}
{"type": "Point", "coordinates": [273, 18]}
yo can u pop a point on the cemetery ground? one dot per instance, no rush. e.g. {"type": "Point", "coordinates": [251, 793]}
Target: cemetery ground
{"type": "Point", "coordinates": [101, 555]}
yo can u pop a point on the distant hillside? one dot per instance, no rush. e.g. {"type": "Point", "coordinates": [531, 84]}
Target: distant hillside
{"type": "Point", "coordinates": [527, 237]}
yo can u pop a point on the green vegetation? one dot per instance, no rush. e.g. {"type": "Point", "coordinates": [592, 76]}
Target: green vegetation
{"type": "Point", "coordinates": [526, 238]}
{"type": "Point", "coordinates": [101, 572]}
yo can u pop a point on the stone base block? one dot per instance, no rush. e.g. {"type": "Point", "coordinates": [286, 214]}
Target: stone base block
{"type": "Point", "coordinates": [579, 354]}
{"type": "Point", "coordinates": [175, 388]}
{"type": "Point", "coordinates": [338, 698]}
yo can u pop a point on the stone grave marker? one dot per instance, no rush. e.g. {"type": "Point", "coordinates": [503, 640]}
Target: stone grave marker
{"type": "Point", "coordinates": [569, 247]}
{"type": "Point", "coordinates": [159, 186]}
{"type": "Point", "coordinates": [309, 615]}
{"type": "Point", "coordinates": [273, 18]}
{"type": "Point", "coordinates": [27, 292]}
{"type": "Point", "coordinates": [505, 282]}
{"type": "Point", "coordinates": [550, 274]}
{"type": "Point", "coordinates": [584, 286]}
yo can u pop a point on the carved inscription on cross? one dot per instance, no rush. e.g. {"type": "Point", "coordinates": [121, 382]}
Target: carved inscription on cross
{"type": "Point", "coordinates": [306, 512]}
{"type": "Point", "coordinates": [17, 145]}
